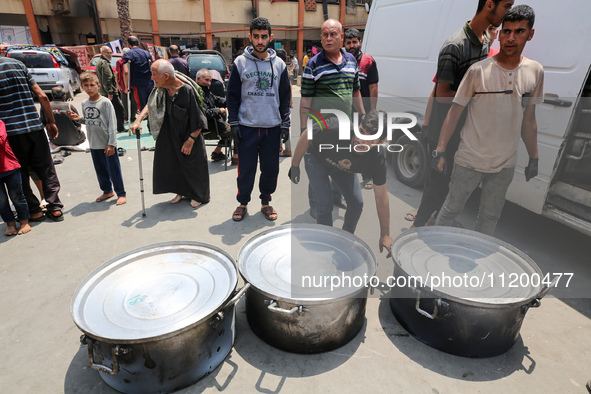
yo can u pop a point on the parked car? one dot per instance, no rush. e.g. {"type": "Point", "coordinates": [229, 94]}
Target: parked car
{"type": "Point", "coordinates": [212, 60]}
{"type": "Point", "coordinates": [92, 66]}
{"type": "Point", "coordinates": [47, 71]}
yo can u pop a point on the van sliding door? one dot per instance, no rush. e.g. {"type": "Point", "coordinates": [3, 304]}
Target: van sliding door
{"type": "Point", "coordinates": [571, 187]}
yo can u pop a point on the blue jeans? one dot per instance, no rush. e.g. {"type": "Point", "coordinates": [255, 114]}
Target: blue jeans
{"type": "Point", "coordinates": [318, 175]}
{"type": "Point", "coordinates": [14, 185]}
{"type": "Point", "coordinates": [108, 171]}
{"type": "Point", "coordinates": [463, 182]}
{"type": "Point", "coordinates": [336, 193]}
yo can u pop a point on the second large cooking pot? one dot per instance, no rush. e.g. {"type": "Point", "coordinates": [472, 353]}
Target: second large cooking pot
{"type": "Point", "coordinates": [294, 302]}
{"type": "Point", "coordinates": [158, 318]}
{"type": "Point", "coordinates": [463, 292]}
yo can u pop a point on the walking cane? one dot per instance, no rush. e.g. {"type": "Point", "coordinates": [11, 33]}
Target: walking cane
{"type": "Point", "coordinates": [137, 135]}
{"type": "Point", "coordinates": [139, 159]}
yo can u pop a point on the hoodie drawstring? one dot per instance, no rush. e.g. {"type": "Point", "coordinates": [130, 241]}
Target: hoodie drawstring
{"type": "Point", "coordinates": [259, 73]}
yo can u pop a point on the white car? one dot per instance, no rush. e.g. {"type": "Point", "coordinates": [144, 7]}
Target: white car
{"type": "Point", "coordinates": [47, 71]}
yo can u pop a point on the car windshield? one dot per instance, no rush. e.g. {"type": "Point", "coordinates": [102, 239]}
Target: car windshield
{"type": "Point", "coordinates": [113, 60]}
{"type": "Point", "coordinates": [198, 62]}
{"type": "Point", "coordinates": [33, 59]}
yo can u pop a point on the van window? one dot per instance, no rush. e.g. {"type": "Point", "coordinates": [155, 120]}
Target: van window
{"type": "Point", "coordinates": [33, 60]}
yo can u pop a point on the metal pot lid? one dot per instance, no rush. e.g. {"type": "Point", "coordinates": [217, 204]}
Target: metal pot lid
{"type": "Point", "coordinates": [153, 291]}
{"type": "Point", "coordinates": [481, 268]}
{"type": "Point", "coordinates": [292, 262]}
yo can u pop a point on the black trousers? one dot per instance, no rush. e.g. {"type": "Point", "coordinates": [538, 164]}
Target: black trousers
{"type": "Point", "coordinates": [32, 151]}
{"type": "Point", "coordinates": [436, 187]}
{"type": "Point", "coordinates": [124, 99]}
{"type": "Point", "coordinates": [119, 113]}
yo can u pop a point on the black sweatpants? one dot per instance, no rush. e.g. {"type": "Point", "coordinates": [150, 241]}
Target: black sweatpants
{"type": "Point", "coordinates": [258, 144]}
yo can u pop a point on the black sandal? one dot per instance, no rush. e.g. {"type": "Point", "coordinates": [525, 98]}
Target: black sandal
{"type": "Point", "coordinates": [55, 218]}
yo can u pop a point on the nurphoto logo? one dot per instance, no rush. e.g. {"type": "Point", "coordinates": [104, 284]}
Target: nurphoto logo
{"type": "Point", "coordinates": [393, 122]}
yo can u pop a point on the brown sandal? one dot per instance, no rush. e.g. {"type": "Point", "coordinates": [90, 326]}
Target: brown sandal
{"type": "Point", "coordinates": [269, 212]}
{"type": "Point", "coordinates": [239, 214]}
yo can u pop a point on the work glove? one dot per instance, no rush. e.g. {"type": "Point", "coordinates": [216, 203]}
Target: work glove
{"type": "Point", "coordinates": [284, 134]}
{"type": "Point", "coordinates": [294, 174]}
{"type": "Point", "coordinates": [435, 162]}
{"type": "Point", "coordinates": [236, 133]}
{"type": "Point", "coordinates": [531, 171]}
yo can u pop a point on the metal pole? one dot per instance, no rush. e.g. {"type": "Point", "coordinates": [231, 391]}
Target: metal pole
{"type": "Point", "coordinates": [138, 136]}
{"type": "Point", "coordinates": [139, 159]}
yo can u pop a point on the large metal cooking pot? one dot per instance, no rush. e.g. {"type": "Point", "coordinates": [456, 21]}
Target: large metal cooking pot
{"type": "Point", "coordinates": [158, 318]}
{"type": "Point", "coordinates": [301, 317]}
{"type": "Point", "coordinates": [479, 311]}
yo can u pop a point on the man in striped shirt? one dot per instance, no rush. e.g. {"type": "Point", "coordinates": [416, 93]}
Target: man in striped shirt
{"type": "Point", "coordinates": [27, 137]}
{"type": "Point", "coordinates": [330, 81]}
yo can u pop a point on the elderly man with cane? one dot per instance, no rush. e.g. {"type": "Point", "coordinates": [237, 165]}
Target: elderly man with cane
{"type": "Point", "coordinates": [176, 121]}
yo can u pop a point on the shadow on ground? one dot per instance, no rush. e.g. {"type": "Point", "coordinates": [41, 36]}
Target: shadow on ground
{"type": "Point", "coordinates": [469, 369]}
{"type": "Point", "coordinates": [233, 233]}
{"type": "Point", "coordinates": [275, 365]}
{"type": "Point", "coordinates": [163, 212]}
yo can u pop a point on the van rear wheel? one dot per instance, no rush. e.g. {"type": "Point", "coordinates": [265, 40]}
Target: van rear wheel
{"type": "Point", "coordinates": [410, 165]}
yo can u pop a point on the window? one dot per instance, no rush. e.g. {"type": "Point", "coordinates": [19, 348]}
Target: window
{"type": "Point", "coordinates": [34, 60]}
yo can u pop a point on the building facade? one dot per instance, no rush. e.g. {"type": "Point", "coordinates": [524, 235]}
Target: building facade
{"type": "Point", "coordinates": [211, 24]}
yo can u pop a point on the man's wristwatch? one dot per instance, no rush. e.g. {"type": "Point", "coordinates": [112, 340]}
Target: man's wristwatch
{"type": "Point", "coordinates": [193, 138]}
{"type": "Point", "coordinates": [437, 154]}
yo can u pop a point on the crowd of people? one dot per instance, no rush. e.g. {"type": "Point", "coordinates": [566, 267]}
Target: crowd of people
{"type": "Point", "coordinates": [462, 123]}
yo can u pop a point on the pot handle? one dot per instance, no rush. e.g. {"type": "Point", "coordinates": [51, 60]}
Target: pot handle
{"type": "Point", "coordinates": [438, 304]}
{"type": "Point", "coordinates": [545, 290]}
{"type": "Point", "coordinates": [116, 350]}
{"type": "Point", "coordinates": [237, 296]}
{"type": "Point", "coordinates": [273, 308]}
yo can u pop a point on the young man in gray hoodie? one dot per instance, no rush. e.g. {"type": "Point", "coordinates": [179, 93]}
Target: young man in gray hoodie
{"type": "Point", "coordinates": [258, 98]}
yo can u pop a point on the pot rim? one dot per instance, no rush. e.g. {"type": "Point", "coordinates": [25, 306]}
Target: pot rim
{"type": "Point", "coordinates": [309, 301]}
{"type": "Point", "coordinates": [224, 305]}
{"type": "Point", "coordinates": [372, 264]}
{"type": "Point", "coordinates": [427, 292]}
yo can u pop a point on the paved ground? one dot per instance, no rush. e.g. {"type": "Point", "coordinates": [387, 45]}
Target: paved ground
{"type": "Point", "coordinates": [40, 271]}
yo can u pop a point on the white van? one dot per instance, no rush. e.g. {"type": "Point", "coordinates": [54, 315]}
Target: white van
{"type": "Point", "coordinates": [405, 36]}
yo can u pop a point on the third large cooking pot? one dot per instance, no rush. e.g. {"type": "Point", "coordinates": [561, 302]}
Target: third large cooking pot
{"type": "Point", "coordinates": [294, 302]}
{"type": "Point", "coordinates": [461, 291]}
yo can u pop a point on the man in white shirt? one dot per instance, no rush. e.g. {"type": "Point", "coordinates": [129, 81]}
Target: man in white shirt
{"type": "Point", "coordinates": [501, 93]}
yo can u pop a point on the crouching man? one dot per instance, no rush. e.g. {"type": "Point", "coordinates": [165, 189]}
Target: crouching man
{"type": "Point", "coordinates": [341, 165]}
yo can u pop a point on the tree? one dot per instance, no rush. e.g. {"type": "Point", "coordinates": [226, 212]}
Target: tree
{"type": "Point", "coordinates": [124, 20]}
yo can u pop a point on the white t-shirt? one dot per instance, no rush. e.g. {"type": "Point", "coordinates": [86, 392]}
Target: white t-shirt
{"type": "Point", "coordinates": [492, 130]}
{"type": "Point", "coordinates": [101, 123]}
